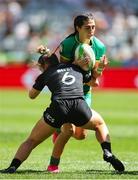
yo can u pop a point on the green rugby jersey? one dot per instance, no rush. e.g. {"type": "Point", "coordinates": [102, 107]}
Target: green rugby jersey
{"type": "Point", "coordinates": [69, 45]}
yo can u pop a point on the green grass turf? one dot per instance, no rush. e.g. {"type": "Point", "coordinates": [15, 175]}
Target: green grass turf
{"type": "Point", "coordinates": [81, 159]}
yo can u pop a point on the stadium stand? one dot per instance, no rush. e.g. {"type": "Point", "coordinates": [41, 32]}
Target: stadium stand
{"type": "Point", "coordinates": [25, 24]}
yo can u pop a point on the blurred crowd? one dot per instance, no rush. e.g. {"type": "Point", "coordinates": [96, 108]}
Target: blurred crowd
{"type": "Point", "coordinates": [25, 24]}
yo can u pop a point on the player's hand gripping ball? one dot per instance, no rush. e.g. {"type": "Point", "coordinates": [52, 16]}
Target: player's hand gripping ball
{"type": "Point", "coordinates": [85, 57]}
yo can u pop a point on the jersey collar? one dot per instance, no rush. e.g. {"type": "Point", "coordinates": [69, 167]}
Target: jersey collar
{"type": "Point", "coordinates": [77, 39]}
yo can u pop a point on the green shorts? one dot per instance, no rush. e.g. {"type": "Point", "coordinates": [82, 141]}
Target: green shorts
{"type": "Point", "coordinates": [88, 98]}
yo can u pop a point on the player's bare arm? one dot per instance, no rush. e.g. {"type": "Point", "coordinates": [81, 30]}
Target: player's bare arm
{"type": "Point", "coordinates": [33, 93]}
{"type": "Point", "coordinates": [100, 66]}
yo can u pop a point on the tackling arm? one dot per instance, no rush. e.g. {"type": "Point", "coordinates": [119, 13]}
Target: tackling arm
{"type": "Point", "coordinates": [33, 93]}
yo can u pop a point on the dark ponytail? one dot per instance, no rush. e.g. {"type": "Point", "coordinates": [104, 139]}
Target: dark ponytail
{"type": "Point", "coordinates": [51, 60]}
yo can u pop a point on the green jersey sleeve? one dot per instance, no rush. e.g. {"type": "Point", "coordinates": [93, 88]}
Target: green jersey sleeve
{"type": "Point", "coordinates": [98, 47]}
{"type": "Point", "coordinates": [67, 48]}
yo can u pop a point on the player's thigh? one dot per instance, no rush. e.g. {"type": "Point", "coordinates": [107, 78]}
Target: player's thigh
{"type": "Point", "coordinates": [94, 121]}
{"type": "Point", "coordinates": [41, 131]}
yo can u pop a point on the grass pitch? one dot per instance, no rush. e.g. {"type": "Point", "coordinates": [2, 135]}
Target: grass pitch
{"type": "Point", "coordinates": [81, 159]}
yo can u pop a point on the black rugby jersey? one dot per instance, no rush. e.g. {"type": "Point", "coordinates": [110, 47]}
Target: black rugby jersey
{"type": "Point", "coordinates": [65, 81]}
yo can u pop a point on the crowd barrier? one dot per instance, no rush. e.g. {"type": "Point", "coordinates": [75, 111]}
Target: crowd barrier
{"type": "Point", "coordinates": [24, 76]}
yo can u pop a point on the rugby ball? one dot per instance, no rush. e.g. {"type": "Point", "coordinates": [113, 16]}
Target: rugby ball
{"type": "Point", "coordinates": [85, 51]}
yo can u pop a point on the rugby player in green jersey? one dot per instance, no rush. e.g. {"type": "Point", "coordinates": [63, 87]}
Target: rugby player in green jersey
{"type": "Point", "coordinates": [84, 29]}
{"type": "Point", "coordinates": [84, 26]}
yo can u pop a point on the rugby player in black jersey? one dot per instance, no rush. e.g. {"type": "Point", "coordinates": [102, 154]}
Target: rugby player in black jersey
{"type": "Point", "coordinates": [65, 81]}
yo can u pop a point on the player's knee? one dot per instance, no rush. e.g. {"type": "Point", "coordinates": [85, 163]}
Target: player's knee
{"type": "Point", "coordinates": [99, 124]}
{"type": "Point", "coordinates": [80, 136]}
{"type": "Point", "coordinates": [67, 130]}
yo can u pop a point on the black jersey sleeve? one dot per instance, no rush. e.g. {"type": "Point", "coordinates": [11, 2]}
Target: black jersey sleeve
{"type": "Point", "coordinates": [39, 82]}
{"type": "Point", "coordinates": [86, 76]}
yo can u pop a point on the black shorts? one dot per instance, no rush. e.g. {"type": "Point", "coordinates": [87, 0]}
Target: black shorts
{"type": "Point", "coordinates": [74, 111]}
